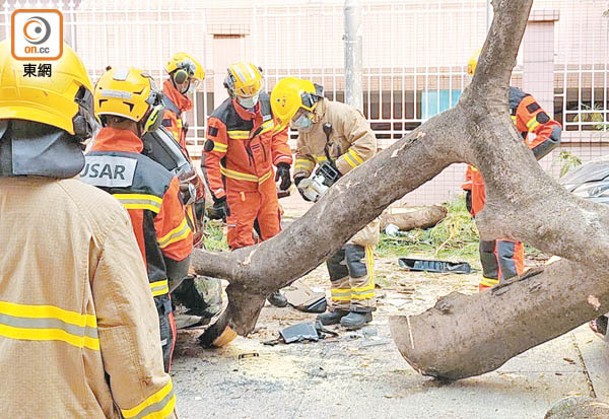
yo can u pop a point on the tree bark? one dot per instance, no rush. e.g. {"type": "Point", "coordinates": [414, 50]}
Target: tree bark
{"type": "Point", "coordinates": [353, 202]}
{"type": "Point", "coordinates": [579, 407]}
{"type": "Point", "coordinates": [409, 218]}
{"type": "Point", "coordinates": [523, 203]}
{"type": "Point", "coordinates": [467, 335]}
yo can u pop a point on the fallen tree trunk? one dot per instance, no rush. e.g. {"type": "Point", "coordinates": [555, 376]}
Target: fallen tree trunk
{"type": "Point", "coordinates": [408, 218]}
{"type": "Point", "coordinates": [523, 203]}
{"type": "Point", "coordinates": [447, 342]}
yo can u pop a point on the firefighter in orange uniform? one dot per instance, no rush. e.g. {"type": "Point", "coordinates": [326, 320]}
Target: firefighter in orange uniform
{"type": "Point", "coordinates": [242, 147]}
{"type": "Point", "coordinates": [504, 259]}
{"type": "Point", "coordinates": [128, 106]}
{"type": "Point", "coordinates": [185, 74]}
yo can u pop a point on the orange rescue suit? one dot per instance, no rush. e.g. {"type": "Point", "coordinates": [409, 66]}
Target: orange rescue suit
{"type": "Point", "coordinates": [176, 104]}
{"type": "Point", "coordinates": [241, 148]}
{"type": "Point", "coordinates": [503, 259]}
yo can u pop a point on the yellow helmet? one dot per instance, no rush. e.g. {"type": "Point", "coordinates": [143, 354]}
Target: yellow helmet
{"type": "Point", "coordinates": [473, 63]}
{"type": "Point", "coordinates": [129, 93]}
{"type": "Point", "coordinates": [244, 79]}
{"type": "Point", "coordinates": [182, 65]}
{"type": "Point", "coordinates": [292, 94]}
{"type": "Point", "coordinates": [63, 100]}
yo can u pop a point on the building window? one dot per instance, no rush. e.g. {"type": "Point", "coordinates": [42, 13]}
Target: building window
{"type": "Point", "coordinates": [434, 102]}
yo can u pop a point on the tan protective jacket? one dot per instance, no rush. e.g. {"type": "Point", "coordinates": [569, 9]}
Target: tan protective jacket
{"type": "Point", "coordinates": [79, 334]}
{"type": "Point", "coordinates": [350, 143]}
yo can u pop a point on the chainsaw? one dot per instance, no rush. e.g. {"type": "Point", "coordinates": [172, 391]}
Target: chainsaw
{"type": "Point", "coordinates": [314, 187]}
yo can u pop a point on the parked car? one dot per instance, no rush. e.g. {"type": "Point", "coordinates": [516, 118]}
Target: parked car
{"type": "Point", "coordinates": [591, 181]}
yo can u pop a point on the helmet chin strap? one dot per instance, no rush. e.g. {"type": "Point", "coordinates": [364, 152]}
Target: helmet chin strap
{"type": "Point", "coordinates": [182, 90]}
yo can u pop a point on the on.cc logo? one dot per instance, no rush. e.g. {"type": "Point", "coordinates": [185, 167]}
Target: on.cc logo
{"type": "Point", "coordinates": [36, 30]}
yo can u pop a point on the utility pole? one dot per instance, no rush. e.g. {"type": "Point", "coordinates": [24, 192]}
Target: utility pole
{"type": "Point", "coordinates": [489, 14]}
{"type": "Point", "coordinates": [353, 53]}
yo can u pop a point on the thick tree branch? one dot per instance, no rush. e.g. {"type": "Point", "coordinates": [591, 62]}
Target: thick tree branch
{"type": "Point", "coordinates": [522, 203]}
{"type": "Point", "coordinates": [349, 205]}
{"type": "Point", "coordinates": [436, 342]}
{"type": "Point", "coordinates": [498, 57]}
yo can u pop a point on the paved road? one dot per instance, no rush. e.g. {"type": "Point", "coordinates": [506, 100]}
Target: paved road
{"type": "Point", "coordinates": [363, 375]}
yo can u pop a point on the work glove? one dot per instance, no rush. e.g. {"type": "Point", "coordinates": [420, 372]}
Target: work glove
{"type": "Point", "coordinates": [297, 180]}
{"type": "Point", "coordinates": [468, 201]}
{"type": "Point", "coordinates": [283, 173]}
{"type": "Point", "coordinates": [188, 192]}
{"type": "Point", "coordinates": [220, 209]}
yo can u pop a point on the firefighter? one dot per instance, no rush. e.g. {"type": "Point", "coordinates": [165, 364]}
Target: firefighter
{"type": "Point", "coordinates": [242, 146]}
{"type": "Point", "coordinates": [504, 259]}
{"type": "Point", "coordinates": [185, 74]}
{"type": "Point", "coordinates": [337, 138]}
{"type": "Point", "coordinates": [78, 331]}
{"type": "Point", "coordinates": [128, 106]}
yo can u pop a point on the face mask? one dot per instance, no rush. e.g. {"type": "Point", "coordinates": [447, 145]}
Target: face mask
{"type": "Point", "coordinates": [248, 102]}
{"type": "Point", "coordinates": [302, 123]}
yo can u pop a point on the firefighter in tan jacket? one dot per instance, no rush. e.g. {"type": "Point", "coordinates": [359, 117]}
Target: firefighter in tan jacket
{"type": "Point", "coordinates": [336, 138]}
{"type": "Point", "coordinates": [79, 335]}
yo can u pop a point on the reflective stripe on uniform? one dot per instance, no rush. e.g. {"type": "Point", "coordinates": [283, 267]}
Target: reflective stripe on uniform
{"type": "Point", "coordinates": [159, 287]}
{"type": "Point", "coordinates": [267, 126]}
{"type": "Point", "coordinates": [303, 164]}
{"type": "Point", "coordinates": [363, 293]}
{"type": "Point", "coordinates": [363, 296]}
{"type": "Point", "coordinates": [349, 161]}
{"type": "Point", "coordinates": [233, 174]}
{"type": "Point", "coordinates": [159, 405]}
{"type": "Point", "coordinates": [366, 292]}
{"type": "Point", "coordinates": [222, 148]}
{"type": "Point", "coordinates": [177, 234]}
{"type": "Point", "coordinates": [352, 158]}
{"type": "Point", "coordinates": [265, 177]}
{"type": "Point", "coordinates": [238, 135]}
{"type": "Point", "coordinates": [341, 294]}
{"type": "Point", "coordinates": [48, 323]}
{"type": "Point", "coordinates": [320, 159]}
{"type": "Point", "coordinates": [140, 201]}
{"type": "Point", "coordinates": [533, 123]}
{"type": "Point", "coordinates": [245, 135]}
{"type": "Point", "coordinates": [488, 282]}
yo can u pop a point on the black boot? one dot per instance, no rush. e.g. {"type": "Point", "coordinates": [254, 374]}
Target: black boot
{"type": "Point", "coordinates": [331, 317]}
{"type": "Point", "coordinates": [355, 320]}
{"type": "Point", "coordinates": [277, 299]}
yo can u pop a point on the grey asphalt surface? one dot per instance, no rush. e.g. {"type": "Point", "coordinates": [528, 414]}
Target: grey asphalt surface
{"type": "Point", "coordinates": [361, 374]}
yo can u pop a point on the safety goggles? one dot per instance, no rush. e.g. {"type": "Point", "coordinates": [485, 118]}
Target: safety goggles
{"type": "Point", "coordinates": [308, 101]}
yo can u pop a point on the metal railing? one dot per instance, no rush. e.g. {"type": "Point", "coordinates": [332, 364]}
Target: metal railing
{"type": "Point", "coordinates": [414, 52]}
